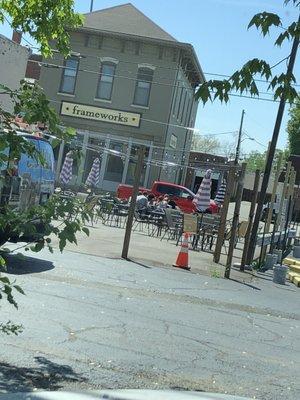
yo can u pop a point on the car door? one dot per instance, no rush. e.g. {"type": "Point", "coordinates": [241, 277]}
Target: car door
{"type": "Point", "coordinates": [184, 201]}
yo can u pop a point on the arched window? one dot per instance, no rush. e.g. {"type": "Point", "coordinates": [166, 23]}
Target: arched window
{"type": "Point", "coordinates": [143, 87]}
{"type": "Point", "coordinates": [106, 81]}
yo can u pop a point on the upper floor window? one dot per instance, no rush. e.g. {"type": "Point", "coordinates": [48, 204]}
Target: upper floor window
{"type": "Point", "coordinates": [143, 87]}
{"type": "Point", "coordinates": [69, 74]}
{"type": "Point", "coordinates": [106, 80]}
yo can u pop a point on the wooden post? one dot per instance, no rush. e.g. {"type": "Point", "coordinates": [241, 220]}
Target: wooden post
{"type": "Point", "coordinates": [272, 202]}
{"type": "Point", "coordinates": [290, 194]}
{"type": "Point", "coordinates": [251, 216]}
{"type": "Point", "coordinates": [284, 193]}
{"type": "Point", "coordinates": [281, 203]}
{"type": "Point", "coordinates": [137, 178]}
{"type": "Point", "coordinates": [235, 221]}
{"type": "Point", "coordinates": [224, 211]}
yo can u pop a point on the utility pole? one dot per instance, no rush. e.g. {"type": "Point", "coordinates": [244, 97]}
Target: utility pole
{"type": "Point", "coordinates": [268, 167]}
{"type": "Point", "coordinates": [238, 146]}
{"type": "Point", "coordinates": [92, 4]}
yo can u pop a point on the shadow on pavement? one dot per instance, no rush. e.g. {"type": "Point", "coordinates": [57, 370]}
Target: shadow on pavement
{"type": "Point", "coordinates": [141, 264]}
{"type": "Point", "coordinates": [245, 283]}
{"type": "Point", "coordinates": [46, 375]}
{"type": "Point", "coordinates": [19, 264]}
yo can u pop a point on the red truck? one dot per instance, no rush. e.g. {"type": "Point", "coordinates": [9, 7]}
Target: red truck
{"type": "Point", "coordinates": [181, 195]}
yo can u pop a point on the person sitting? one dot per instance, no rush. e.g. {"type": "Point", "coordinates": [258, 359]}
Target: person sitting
{"type": "Point", "coordinates": [162, 202]}
{"type": "Point", "coordinates": [172, 204]}
{"type": "Point", "coordinates": [151, 199]}
{"type": "Point", "coordinates": [141, 201]}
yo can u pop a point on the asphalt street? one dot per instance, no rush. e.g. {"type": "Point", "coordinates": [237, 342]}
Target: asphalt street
{"type": "Point", "coordinates": [92, 322]}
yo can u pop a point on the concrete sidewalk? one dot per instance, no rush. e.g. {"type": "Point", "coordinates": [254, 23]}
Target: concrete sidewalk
{"type": "Point", "coordinates": [106, 241]}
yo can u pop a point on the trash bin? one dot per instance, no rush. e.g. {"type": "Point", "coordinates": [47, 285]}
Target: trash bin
{"type": "Point", "coordinates": [279, 274]}
{"type": "Point", "coordinates": [270, 261]}
{"type": "Point", "coordinates": [296, 251]}
{"type": "Point", "coordinates": [279, 255]}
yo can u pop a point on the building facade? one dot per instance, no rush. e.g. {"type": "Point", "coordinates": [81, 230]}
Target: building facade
{"type": "Point", "coordinates": [126, 84]}
{"type": "Point", "coordinates": [13, 63]}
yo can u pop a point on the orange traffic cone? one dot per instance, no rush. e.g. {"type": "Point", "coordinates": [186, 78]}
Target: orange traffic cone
{"type": "Point", "coordinates": [183, 256]}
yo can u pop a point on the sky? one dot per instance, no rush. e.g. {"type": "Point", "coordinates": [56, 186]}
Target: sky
{"type": "Point", "coordinates": [218, 31]}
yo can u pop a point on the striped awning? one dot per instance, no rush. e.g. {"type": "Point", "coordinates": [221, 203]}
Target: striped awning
{"type": "Point", "coordinates": [219, 199]}
{"type": "Point", "coordinates": [66, 171]}
{"type": "Point", "coordinates": [94, 174]}
{"type": "Point", "coordinates": [202, 198]}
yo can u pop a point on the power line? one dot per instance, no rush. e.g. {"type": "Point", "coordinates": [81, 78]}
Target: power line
{"type": "Point", "coordinates": [256, 122]}
{"type": "Point", "coordinates": [279, 62]}
{"type": "Point", "coordinates": [48, 65]}
{"type": "Point", "coordinates": [169, 68]}
{"type": "Point", "coordinates": [255, 140]}
{"type": "Point", "coordinates": [159, 66]}
{"type": "Point", "coordinates": [23, 38]}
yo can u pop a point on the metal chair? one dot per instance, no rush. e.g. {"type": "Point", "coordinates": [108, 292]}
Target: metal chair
{"type": "Point", "coordinates": [174, 224]}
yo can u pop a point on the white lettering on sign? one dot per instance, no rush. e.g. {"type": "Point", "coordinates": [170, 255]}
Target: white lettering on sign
{"type": "Point", "coordinates": [100, 114]}
{"type": "Point", "coordinates": [173, 141]}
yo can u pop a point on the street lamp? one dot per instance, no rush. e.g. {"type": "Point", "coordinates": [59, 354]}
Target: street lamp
{"type": "Point", "coordinates": [247, 138]}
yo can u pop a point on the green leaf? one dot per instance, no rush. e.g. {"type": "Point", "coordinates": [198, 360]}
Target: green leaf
{"type": "Point", "coordinates": [5, 280]}
{"type": "Point", "coordinates": [39, 246]}
{"type": "Point", "coordinates": [19, 289]}
{"type": "Point", "coordinates": [55, 142]}
{"type": "Point", "coordinates": [86, 231]}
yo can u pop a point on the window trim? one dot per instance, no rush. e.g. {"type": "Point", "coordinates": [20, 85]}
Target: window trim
{"type": "Point", "coordinates": [143, 67]}
{"type": "Point", "coordinates": [175, 98]}
{"type": "Point", "coordinates": [103, 63]}
{"type": "Point", "coordinates": [183, 107]}
{"type": "Point", "coordinates": [179, 102]}
{"type": "Point", "coordinates": [63, 75]}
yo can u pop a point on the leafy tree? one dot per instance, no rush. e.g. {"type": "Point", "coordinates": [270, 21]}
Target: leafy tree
{"type": "Point", "coordinates": [205, 144]}
{"type": "Point", "coordinates": [45, 22]}
{"type": "Point", "coordinates": [244, 80]}
{"type": "Point", "coordinates": [293, 129]}
{"type": "Point", "coordinates": [255, 160]}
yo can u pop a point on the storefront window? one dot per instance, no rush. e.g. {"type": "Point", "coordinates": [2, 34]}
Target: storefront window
{"type": "Point", "coordinates": [95, 149]}
{"type": "Point", "coordinates": [115, 161]}
{"type": "Point", "coordinates": [133, 162]}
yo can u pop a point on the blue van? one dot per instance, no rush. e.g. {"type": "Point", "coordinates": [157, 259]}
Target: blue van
{"type": "Point", "coordinates": [29, 182]}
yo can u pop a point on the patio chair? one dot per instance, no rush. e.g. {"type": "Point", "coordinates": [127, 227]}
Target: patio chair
{"type": "Point", "coordinates": [209, 227]}
{"type": "Point", "coordinates": [91, 205]}
{"type": "Point", "coordinates": [106, 207]}
{"type": "Point", "coordinates": [140, 220]}
{"type": "Point", "coordinates": [119, 215]}
{"type": "Point", "coordinates": [174, 224]}
{"type": "Point", "coordinates": [156, 223]}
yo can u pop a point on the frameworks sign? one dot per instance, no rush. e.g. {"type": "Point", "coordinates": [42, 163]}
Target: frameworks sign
{"type": "Point", "coordinates": [100, 114]}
